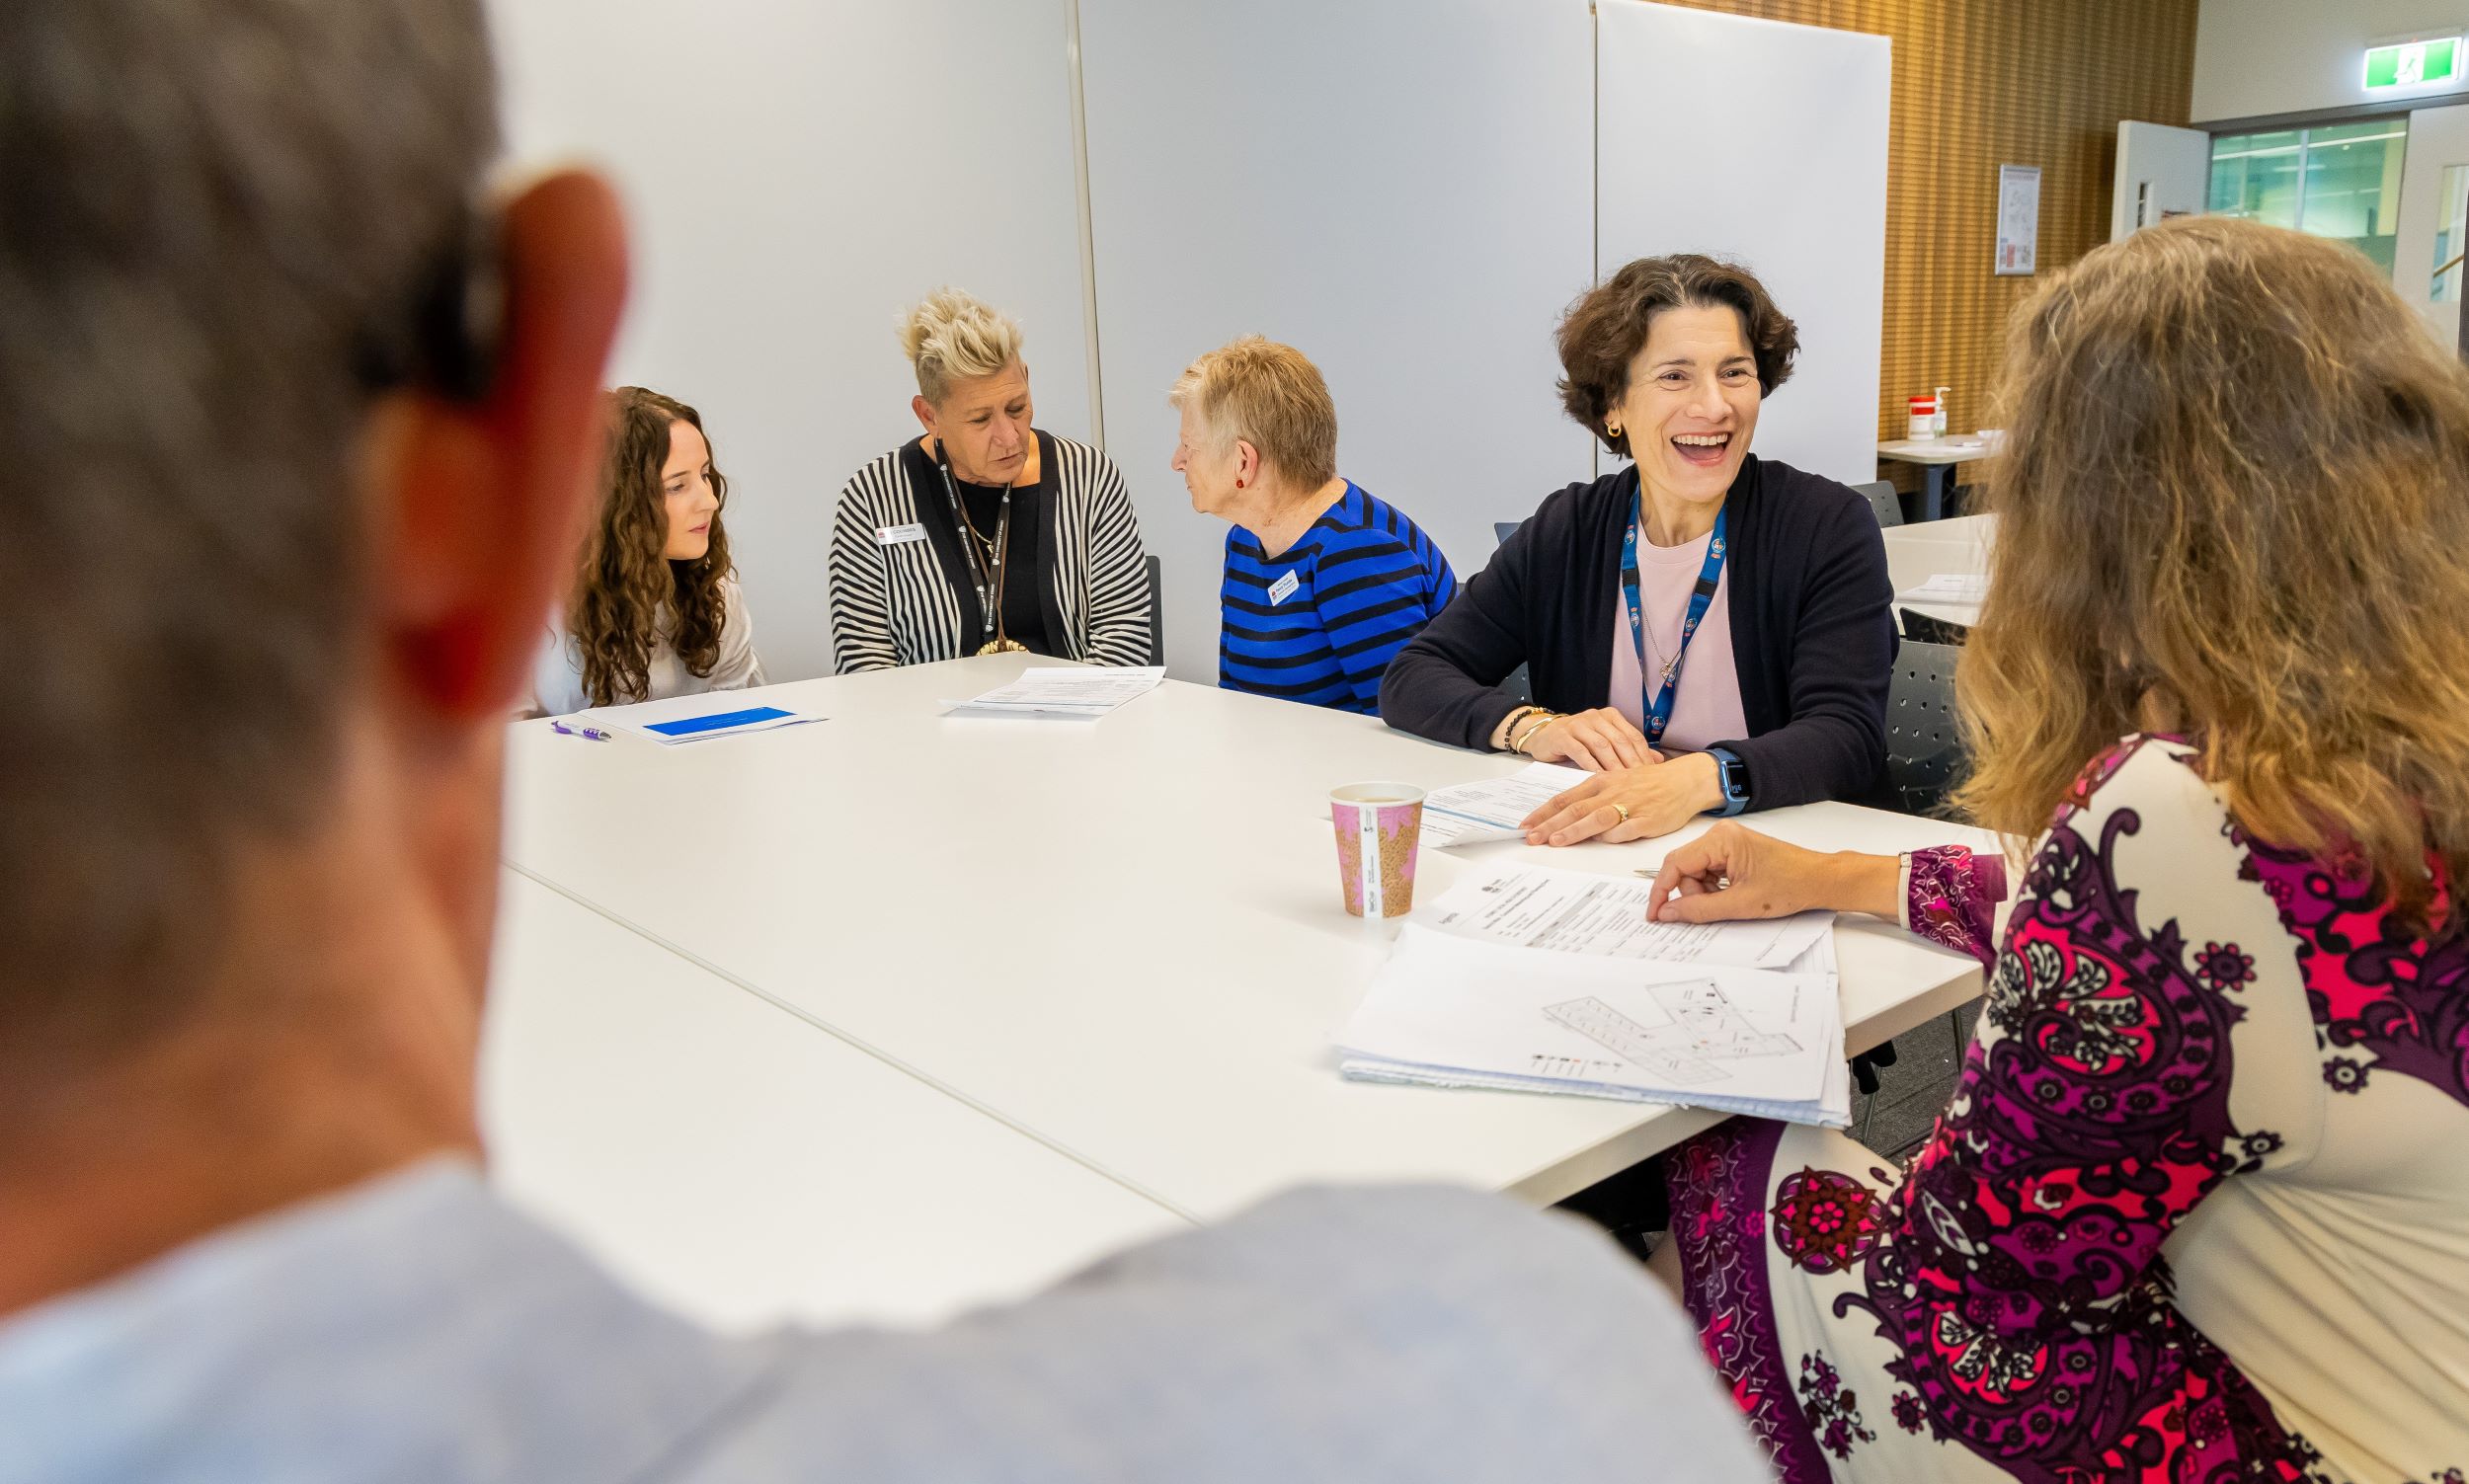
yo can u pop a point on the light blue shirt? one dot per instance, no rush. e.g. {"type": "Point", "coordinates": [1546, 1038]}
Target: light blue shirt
{"type": "Point", "coordinates": [416, 1329]}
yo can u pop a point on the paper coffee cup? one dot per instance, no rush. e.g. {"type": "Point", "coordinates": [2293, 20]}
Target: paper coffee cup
{"type": "Point", "coordinates": [1378, 827]}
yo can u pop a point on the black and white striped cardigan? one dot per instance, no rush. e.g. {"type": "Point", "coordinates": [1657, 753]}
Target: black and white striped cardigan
{"type": "Point", "coordinates": [899, 597]}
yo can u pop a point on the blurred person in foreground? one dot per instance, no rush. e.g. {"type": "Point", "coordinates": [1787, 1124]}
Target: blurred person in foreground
{"type": "Point", "coordinates": [294, 485]}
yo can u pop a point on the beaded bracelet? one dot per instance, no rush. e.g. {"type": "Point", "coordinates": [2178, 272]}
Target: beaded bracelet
{"type": "Point", "coordinates": [1518, 742]}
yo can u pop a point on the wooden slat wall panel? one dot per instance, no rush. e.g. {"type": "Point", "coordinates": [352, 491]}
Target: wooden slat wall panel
{"type": "Point", "coordinates": [1979, 84]}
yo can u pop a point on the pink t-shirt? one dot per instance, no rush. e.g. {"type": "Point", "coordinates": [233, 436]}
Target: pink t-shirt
{"type": "Point", "coordinates": [1706, 705]}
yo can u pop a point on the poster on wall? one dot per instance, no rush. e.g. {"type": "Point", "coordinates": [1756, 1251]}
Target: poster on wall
{"type": "Point", "coordinates": [2019, 219]}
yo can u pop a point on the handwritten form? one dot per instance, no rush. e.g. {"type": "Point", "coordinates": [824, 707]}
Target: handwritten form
{"type": "Point", "coordinates": [1574, 912]}
{"type": "Point", "coordinates": [1452, 1012]}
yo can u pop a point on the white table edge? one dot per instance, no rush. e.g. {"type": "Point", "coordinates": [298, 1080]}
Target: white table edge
{"type": "Point", "coordinates": [857, 1043]}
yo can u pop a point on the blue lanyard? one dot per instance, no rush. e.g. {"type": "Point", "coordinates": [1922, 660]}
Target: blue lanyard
{"type": "Point", "coordinates": [1658, 697]}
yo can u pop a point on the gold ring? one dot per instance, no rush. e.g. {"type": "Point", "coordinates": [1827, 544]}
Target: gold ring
{"type": "Point", "coordinates": [1622, 811]}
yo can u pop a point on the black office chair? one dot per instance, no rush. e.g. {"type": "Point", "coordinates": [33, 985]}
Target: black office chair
{"type": "Point", "coordinates": [1156, 612]}
{"type": "Point", "coordinates": [1924, 749]}
{"type": "Point", "coordinates": [1924, 756]}
{"type": "Point", "coordinates": [1921, 628]}
{"type": "Point", "coordinates": [1883, 503]}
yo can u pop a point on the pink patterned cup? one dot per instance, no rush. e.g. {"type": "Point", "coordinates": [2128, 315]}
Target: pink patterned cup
{"type": "Point", "coordinates": [1377, 825]}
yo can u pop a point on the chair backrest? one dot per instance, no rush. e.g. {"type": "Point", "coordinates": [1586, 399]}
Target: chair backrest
{"type": "Point", "coordinates": [1502, 530]}
{"type": "Point", "coordinates": [1926, 628]}
{"type": "Point", "coordinates": [1924, 749]}
{"type": "Point", "coordinates": [1883, 503]}
{"type": "Point", "coordinates": [1156, 612]}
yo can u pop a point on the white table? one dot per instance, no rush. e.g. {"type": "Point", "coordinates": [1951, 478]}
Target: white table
{"type": "Point", "coordinates": [1916, 553]}
{"type": "Point", "coordinates": [1122, 936]}
{"type": "Point", "coordinates": [744, 1167]}
{"type": "Point", "coordinates": [1937, 458]}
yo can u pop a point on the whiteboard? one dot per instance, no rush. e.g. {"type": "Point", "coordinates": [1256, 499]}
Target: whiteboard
{"type": "Point", "coordinates": [1763, 142]}
{"type": "Point", "coordinates": [796, 176]}
{"type": "Point", "coordinates": [1401, 189]}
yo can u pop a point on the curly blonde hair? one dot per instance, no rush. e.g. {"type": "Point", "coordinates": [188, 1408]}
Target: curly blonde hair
{"type": "Point", "coordinates": [616, 613]}
{"type": "Point", "coordinates": [2235, 493]}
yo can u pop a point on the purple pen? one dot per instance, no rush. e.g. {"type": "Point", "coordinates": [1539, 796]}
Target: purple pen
{"type": "Point", "coordinates": [593, 732]}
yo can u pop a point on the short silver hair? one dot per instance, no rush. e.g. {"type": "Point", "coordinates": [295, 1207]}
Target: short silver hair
{"type": "Point", "coordinates": [955, 336]}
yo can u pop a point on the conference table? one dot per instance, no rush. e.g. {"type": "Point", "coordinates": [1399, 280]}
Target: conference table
{"type": "Point", "coordinates": [1120, 941]}
{"type": "Point", "coordinates": [732, 1162]}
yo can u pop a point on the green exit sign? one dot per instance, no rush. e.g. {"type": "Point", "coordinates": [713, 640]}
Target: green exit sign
{"type": "Point", "coordinates": [2413, 65]}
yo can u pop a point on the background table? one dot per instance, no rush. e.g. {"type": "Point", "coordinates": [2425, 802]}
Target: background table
{"type": "Point", "coordinates": [1917, 552]}
{"type": "Point", "coordinates": [1937, 458]}
{"type": "Point", "coordinates": [1122, 937]}
{"type": "Point", "coordinates": [745, 1167]}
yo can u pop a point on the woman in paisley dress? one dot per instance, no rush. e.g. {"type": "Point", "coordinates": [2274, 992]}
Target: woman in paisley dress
{"type": "Point", "coordinates": [2199, 1207]}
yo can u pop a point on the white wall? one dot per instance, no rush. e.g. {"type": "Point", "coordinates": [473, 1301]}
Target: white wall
{"type": "Point", "coordinates": [1400, 189]}
{"type": "Point", "coordinates": [1408, 190]}
{"type": "Point", "coordinates": [2254, 58]}
{"type": "Point", "coordinates": [796, 175]}
{"type": "Point", "coordinates": [1795, 188]}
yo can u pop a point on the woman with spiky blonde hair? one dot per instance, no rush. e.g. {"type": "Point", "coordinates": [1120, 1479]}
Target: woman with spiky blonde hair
{"type": "Point", "coordinates": [985, 534]}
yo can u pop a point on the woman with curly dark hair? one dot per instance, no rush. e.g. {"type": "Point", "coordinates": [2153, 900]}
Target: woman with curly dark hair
{"type": "Point", "coordinates": [656, 611]}
{"type": "Point", "coordinates": [1705, 629]}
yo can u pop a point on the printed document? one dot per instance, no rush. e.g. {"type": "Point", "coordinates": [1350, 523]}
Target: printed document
{"type": "Point", "coordinates": [1491, 808]}
{"type": "Point", "coordinates": [1063, 690]}
{"type": "Point", "coordinates": [697, 718]}
{"type": "Point", "coordinates": [1574, 912]}
{"type": "Point", "coordinates": [1449, 1012]}
{"type": "Point", "coordinates": [1949, 589]}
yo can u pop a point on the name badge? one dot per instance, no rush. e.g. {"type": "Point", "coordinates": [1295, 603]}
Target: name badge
{"type": "Point", "coordinates": [1283, 589]}
{"type": "Point", "coordinates": [894, 535]}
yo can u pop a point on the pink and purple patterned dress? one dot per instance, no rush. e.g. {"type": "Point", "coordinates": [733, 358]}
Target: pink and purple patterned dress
{"type": "Point", "coordinates": [2200, 1210]}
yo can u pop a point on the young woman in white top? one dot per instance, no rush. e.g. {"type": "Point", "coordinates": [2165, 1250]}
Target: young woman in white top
{"type": "Point", "coordinates": [656, 611]}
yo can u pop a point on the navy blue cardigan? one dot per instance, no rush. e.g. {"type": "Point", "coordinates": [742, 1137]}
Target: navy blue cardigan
{"type": "Point", "coordinates": [1812, 631]}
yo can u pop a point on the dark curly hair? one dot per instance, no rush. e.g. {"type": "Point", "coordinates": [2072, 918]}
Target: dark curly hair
{"type": "Point", "coordinates": [616, 615]}
{"type": "Point", "coordinates": [1606, 328]}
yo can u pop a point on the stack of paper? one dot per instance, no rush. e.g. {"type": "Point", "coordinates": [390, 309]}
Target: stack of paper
{"type": "Point", "coordinates": [699, 718]}
{"type": "Point", "coordinates": [1535, 979]}
{"type": "Point", "coordinates": [1949, 589]}
{"type": "Point", "coordinates": [1061, 690]}
{"type": "Point", "coordinates": [1491, 808]}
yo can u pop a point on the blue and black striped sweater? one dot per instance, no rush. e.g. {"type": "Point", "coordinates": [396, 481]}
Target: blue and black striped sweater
{"type": "Point", "coordinates": [1319, 622]}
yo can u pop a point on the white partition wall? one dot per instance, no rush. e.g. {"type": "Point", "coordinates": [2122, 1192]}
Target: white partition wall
{"type": "Point", "coordinates": [1766, 143]}
{"type": "Point", "coordinates": [1400, 188]}
{"type": "Point", "coordinates": [2438, 142]}
{"type": "Point", "coordinates": [795, 175]}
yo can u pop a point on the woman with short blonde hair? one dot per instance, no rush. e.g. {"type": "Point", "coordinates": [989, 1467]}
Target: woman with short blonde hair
{"type": "Point", "coordinates": [2201, 1205]}
{"type": "Point", "coordinates": [984, 536]}
{"type": "Point", "coordinates": [1323, 581]}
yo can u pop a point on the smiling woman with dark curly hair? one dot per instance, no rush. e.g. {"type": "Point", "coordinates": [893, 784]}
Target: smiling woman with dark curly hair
{"type": "Point", "coordinates": [1706, 630]}
{"type": "Point", "coordinates": [656, 611]}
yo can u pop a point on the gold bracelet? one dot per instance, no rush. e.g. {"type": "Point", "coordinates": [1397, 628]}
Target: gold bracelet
{"type": "Point", "coordinates": [1518, 744]}
{"type": "Point", "coordinates": [1508, 723]}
